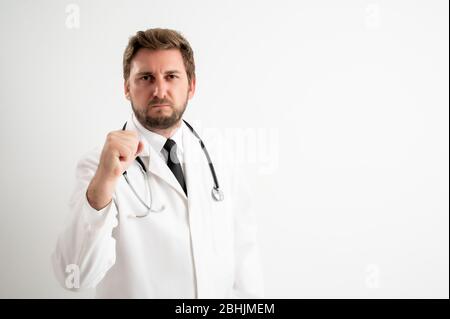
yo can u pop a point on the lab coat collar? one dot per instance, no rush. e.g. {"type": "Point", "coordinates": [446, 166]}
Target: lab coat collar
{"type": "Point", "coordinates": [153, 161]}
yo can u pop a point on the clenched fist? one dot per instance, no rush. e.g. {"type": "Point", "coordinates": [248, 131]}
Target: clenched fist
{"type": "Point", "coordinates": [119, 151]}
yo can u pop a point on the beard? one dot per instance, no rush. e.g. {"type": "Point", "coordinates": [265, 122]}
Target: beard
{"type": "Point", "coordinates": [160, 119]}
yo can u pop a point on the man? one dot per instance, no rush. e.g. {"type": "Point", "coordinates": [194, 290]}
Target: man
{"type": "Point", "coordinates": [156, 231]}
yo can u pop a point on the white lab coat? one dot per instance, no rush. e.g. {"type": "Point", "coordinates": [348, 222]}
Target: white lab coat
{"type": "Point", "coordinates": [195, 248]}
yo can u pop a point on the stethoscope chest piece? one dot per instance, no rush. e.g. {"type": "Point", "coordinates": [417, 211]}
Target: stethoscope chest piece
{"type": "Point", "coordinates": [217, 194]}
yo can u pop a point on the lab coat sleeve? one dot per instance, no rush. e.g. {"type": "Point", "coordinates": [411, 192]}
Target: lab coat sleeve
{"type": "Point", "coordinates": [85, 249]}
{"type": "Point", "coordinates": [248, 276]}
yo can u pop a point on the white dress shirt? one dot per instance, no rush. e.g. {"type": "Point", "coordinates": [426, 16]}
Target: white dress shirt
{"type": "Point", "coordinates": [157, 141]}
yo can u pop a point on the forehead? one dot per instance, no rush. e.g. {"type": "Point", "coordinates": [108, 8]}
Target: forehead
{"type": "Point", "coordinates": [147, 60]}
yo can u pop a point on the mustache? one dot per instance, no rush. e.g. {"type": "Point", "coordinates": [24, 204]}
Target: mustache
{"type": "Point", "coordinates": [159, 102]}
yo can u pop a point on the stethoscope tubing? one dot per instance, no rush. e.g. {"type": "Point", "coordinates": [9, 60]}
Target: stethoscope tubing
{"type": "Point", "coordinates": [216, 192]}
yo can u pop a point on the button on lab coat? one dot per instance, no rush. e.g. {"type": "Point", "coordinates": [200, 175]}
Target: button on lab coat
{"type": "Point", "coordinates": [195, 248]}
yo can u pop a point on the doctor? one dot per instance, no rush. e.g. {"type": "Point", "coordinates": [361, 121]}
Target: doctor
{"type": "Point", "coordinates": [150, 217]}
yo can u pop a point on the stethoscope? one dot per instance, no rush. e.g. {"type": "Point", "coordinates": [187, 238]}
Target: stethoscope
{"type": "Point", "coordinates": [216, 192]}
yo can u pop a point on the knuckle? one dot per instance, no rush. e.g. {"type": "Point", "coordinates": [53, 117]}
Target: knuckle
{"type": "Point", "coordinates": [132, 134]}
{"type": "Point", "coordinates": [111, 136]}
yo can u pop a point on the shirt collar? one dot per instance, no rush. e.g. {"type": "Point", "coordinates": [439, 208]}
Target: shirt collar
{"type": "Point", "coordinates": [156, 140]}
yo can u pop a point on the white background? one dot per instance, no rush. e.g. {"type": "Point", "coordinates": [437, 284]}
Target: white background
{"type": "Point", "coordinates": [350, 99]}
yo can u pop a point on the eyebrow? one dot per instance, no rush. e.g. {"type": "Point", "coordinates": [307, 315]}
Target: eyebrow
{"type": "Point", "coordinates": [151, 73]}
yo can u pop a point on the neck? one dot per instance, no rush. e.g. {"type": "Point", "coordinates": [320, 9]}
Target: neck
{"type": "Point", "coordinates": [167, 132]}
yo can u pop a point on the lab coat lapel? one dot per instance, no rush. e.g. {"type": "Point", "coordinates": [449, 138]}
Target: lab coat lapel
{"type": "Point", "coordinates": [155, 164]}
{"type": "Point", "coordinates": [195, 162]}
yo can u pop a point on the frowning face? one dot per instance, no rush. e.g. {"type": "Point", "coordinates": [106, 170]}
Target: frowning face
{"type": "Point", "coordinates": [158, 88]}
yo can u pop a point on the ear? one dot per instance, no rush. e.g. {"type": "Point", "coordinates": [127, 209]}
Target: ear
{"type": "Point", "coordinates": [191, 88]}
{"type": "Point", "coordinates": [126, 89]}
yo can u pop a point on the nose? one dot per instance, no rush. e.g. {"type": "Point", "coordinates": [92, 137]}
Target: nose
{"type": "Point", "coordinates": [160, 89]}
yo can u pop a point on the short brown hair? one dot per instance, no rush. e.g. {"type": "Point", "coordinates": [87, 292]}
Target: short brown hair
{"type": "Point", "coordinates": [159, 39]}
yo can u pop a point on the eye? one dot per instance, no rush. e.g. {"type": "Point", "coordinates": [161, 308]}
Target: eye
{"type": "Point", "coordinates": [172, 76]}
{"type": "Point", "coordinates": [145, 77]}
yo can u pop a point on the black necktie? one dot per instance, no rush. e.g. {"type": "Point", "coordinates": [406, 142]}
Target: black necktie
{"type": "Point", "coordinates": [174, 163]}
